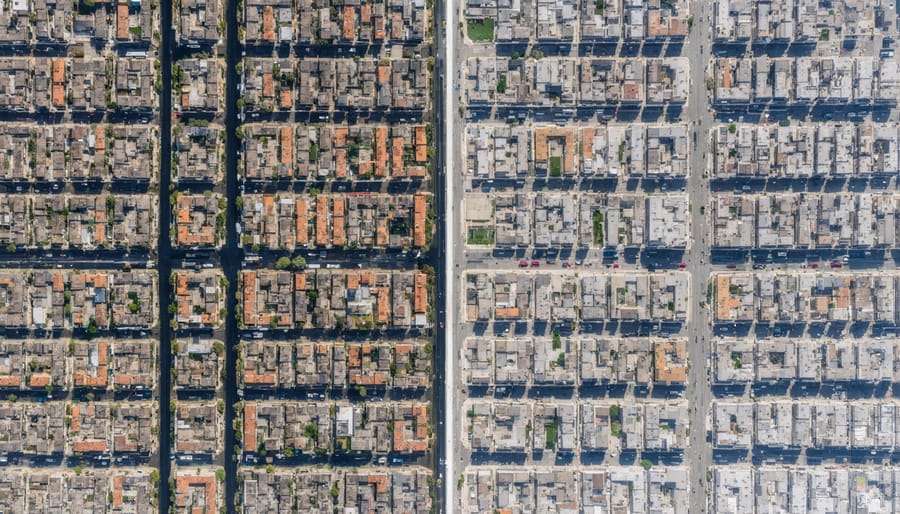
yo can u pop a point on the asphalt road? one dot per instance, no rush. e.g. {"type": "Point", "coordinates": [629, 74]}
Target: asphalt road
{"type": "Point", "coordinates": [164, 250]}
{"type": "Point", "coordinates": [698, 455]}
{"type": "Point", "coordinates": [444, 356]}
{"type": "Point", "coordinates": [230, 256]}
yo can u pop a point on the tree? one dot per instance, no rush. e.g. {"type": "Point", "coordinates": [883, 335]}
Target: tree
{"type": "Point", "coordinates": [298, 263]}
{"type": "Point", "coordinates": [283, 263]}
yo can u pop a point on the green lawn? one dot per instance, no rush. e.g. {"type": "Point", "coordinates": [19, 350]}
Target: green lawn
{"type": "Point", "coordinates": [556, 166]}
{"type": "Point", "coordinates": [598, 228]}
{"type": "Point", "coordinates": [480, 30]}
{"type": "Point", "coordinates": [481, 236]}
{"type": "Point", "coordinates": [550, 432]}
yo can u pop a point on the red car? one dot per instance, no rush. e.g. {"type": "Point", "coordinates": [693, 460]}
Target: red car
{"type": "Point", "coordinates": [836, 265]}
{"type": "Point", "coordinates": [566, 264]}
{"type": "Point", "coordinates": [523, 264]}
{"type": "Point", "coordinates": [535, 264]}
{"type": "Point", "coordinates": [682, 265]}
{"type": "Point", "coordinates": [731, 266]}
{"type": "Point", "coordinates": [814, 265]}
{"type": "Point", "coordinates": [615, 265]}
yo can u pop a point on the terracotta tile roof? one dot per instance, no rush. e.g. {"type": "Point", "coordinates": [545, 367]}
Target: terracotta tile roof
{"type": "Point", "coordinates": [287, 146]}
{"type": "Point", "coordinates": [75, 424]}
{"type": "Point", "coordinates": [632, 91]}
{"type": "Point", "coordinates": [83, 379]}
{"type": "Point", "coordinates": [39, 380]}
{"type": "Point", "coordinates": [89, 446]}
{"type": "Point", "coordinates": [383, 306]}
{"type": "Point", "coordinates": [587, 143]}
{"type": "Point", "coordinates": [122, 21]}
{"type": "Point", "coordinates": [541, 147]}
{"type": "Point", "coordinates": [340, 163]}
{"type": "Point", "coordinates": [250, 316]}
{"type": "Point", "coordinates": [340, 137]}
{"type": "Point", "coordinates": [10, 381]}
{"type": "Point", "coordinates": [384, 74]}
{"type": "Point", "coordinates": [339, 237]}
{"type": "Point", "coordinates": [58, 78]}
{"type": "Point", "coordinates": [507, 312]}
{"type": "Point", "coordinates": [250, 425]}
{"type": "Point", "coordinates": [300, 281]}
{"type": "Point", "coordinates": [380, 481]}
{"type": "Point", "coordinates": [420, 207]}
{"type": "Point", "coordinates": [726, 73]}
{"type": "Point", "coordinates": [285, 98]}
{"type": "Point", "coordinates": [668, 361]}
{"type": "Point", "coordinates": [302, 228]}
{"type": "Point", "coordinates": [381, 232]}
{"type": "Point", "coordinates": [268, 85]}
{"type": "Point", "coordinates": [97, 280]}
{"type": "Point", "coordinates": [421, 135]}
{"type": "Point", "coordinates": [321, 220]}
{"type": "Point", "coordinates": [118, 494]}
{"type": "Point", "coordinates": [252, 377]}
{"type": "Point", "coordinates": [99, 140]}
{"type": "Point", "coordinates": [397, 157]}
{"type": "Point", "coordinates": [421, 144]}
{"type": "Point", "coordinates": [58, 284]}
{"type": "Point", "coordinates": [353, 280]}
{"type": "Point", "coordinates": [724, 301]}
{"type": "Point", "coordinates": [268, 25]}
{"type": "Point", "coordinates": [420, 305]}
{"type": "Point", "coordinates": [185, 498]}
{"type": "Point", "coordinates": [349, 28]}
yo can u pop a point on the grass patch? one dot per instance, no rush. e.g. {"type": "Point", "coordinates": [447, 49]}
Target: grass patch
{"type": "Point", "coordinates": [481, 236]}
{"type": "Point", "coordinates": [480, 30]}
{"type": "Point", "coordinates": [556, 166]}
{"type": "Point", "coordinates": [550, 431]}
{"type": "Point", "coordinates": [598, 228]}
